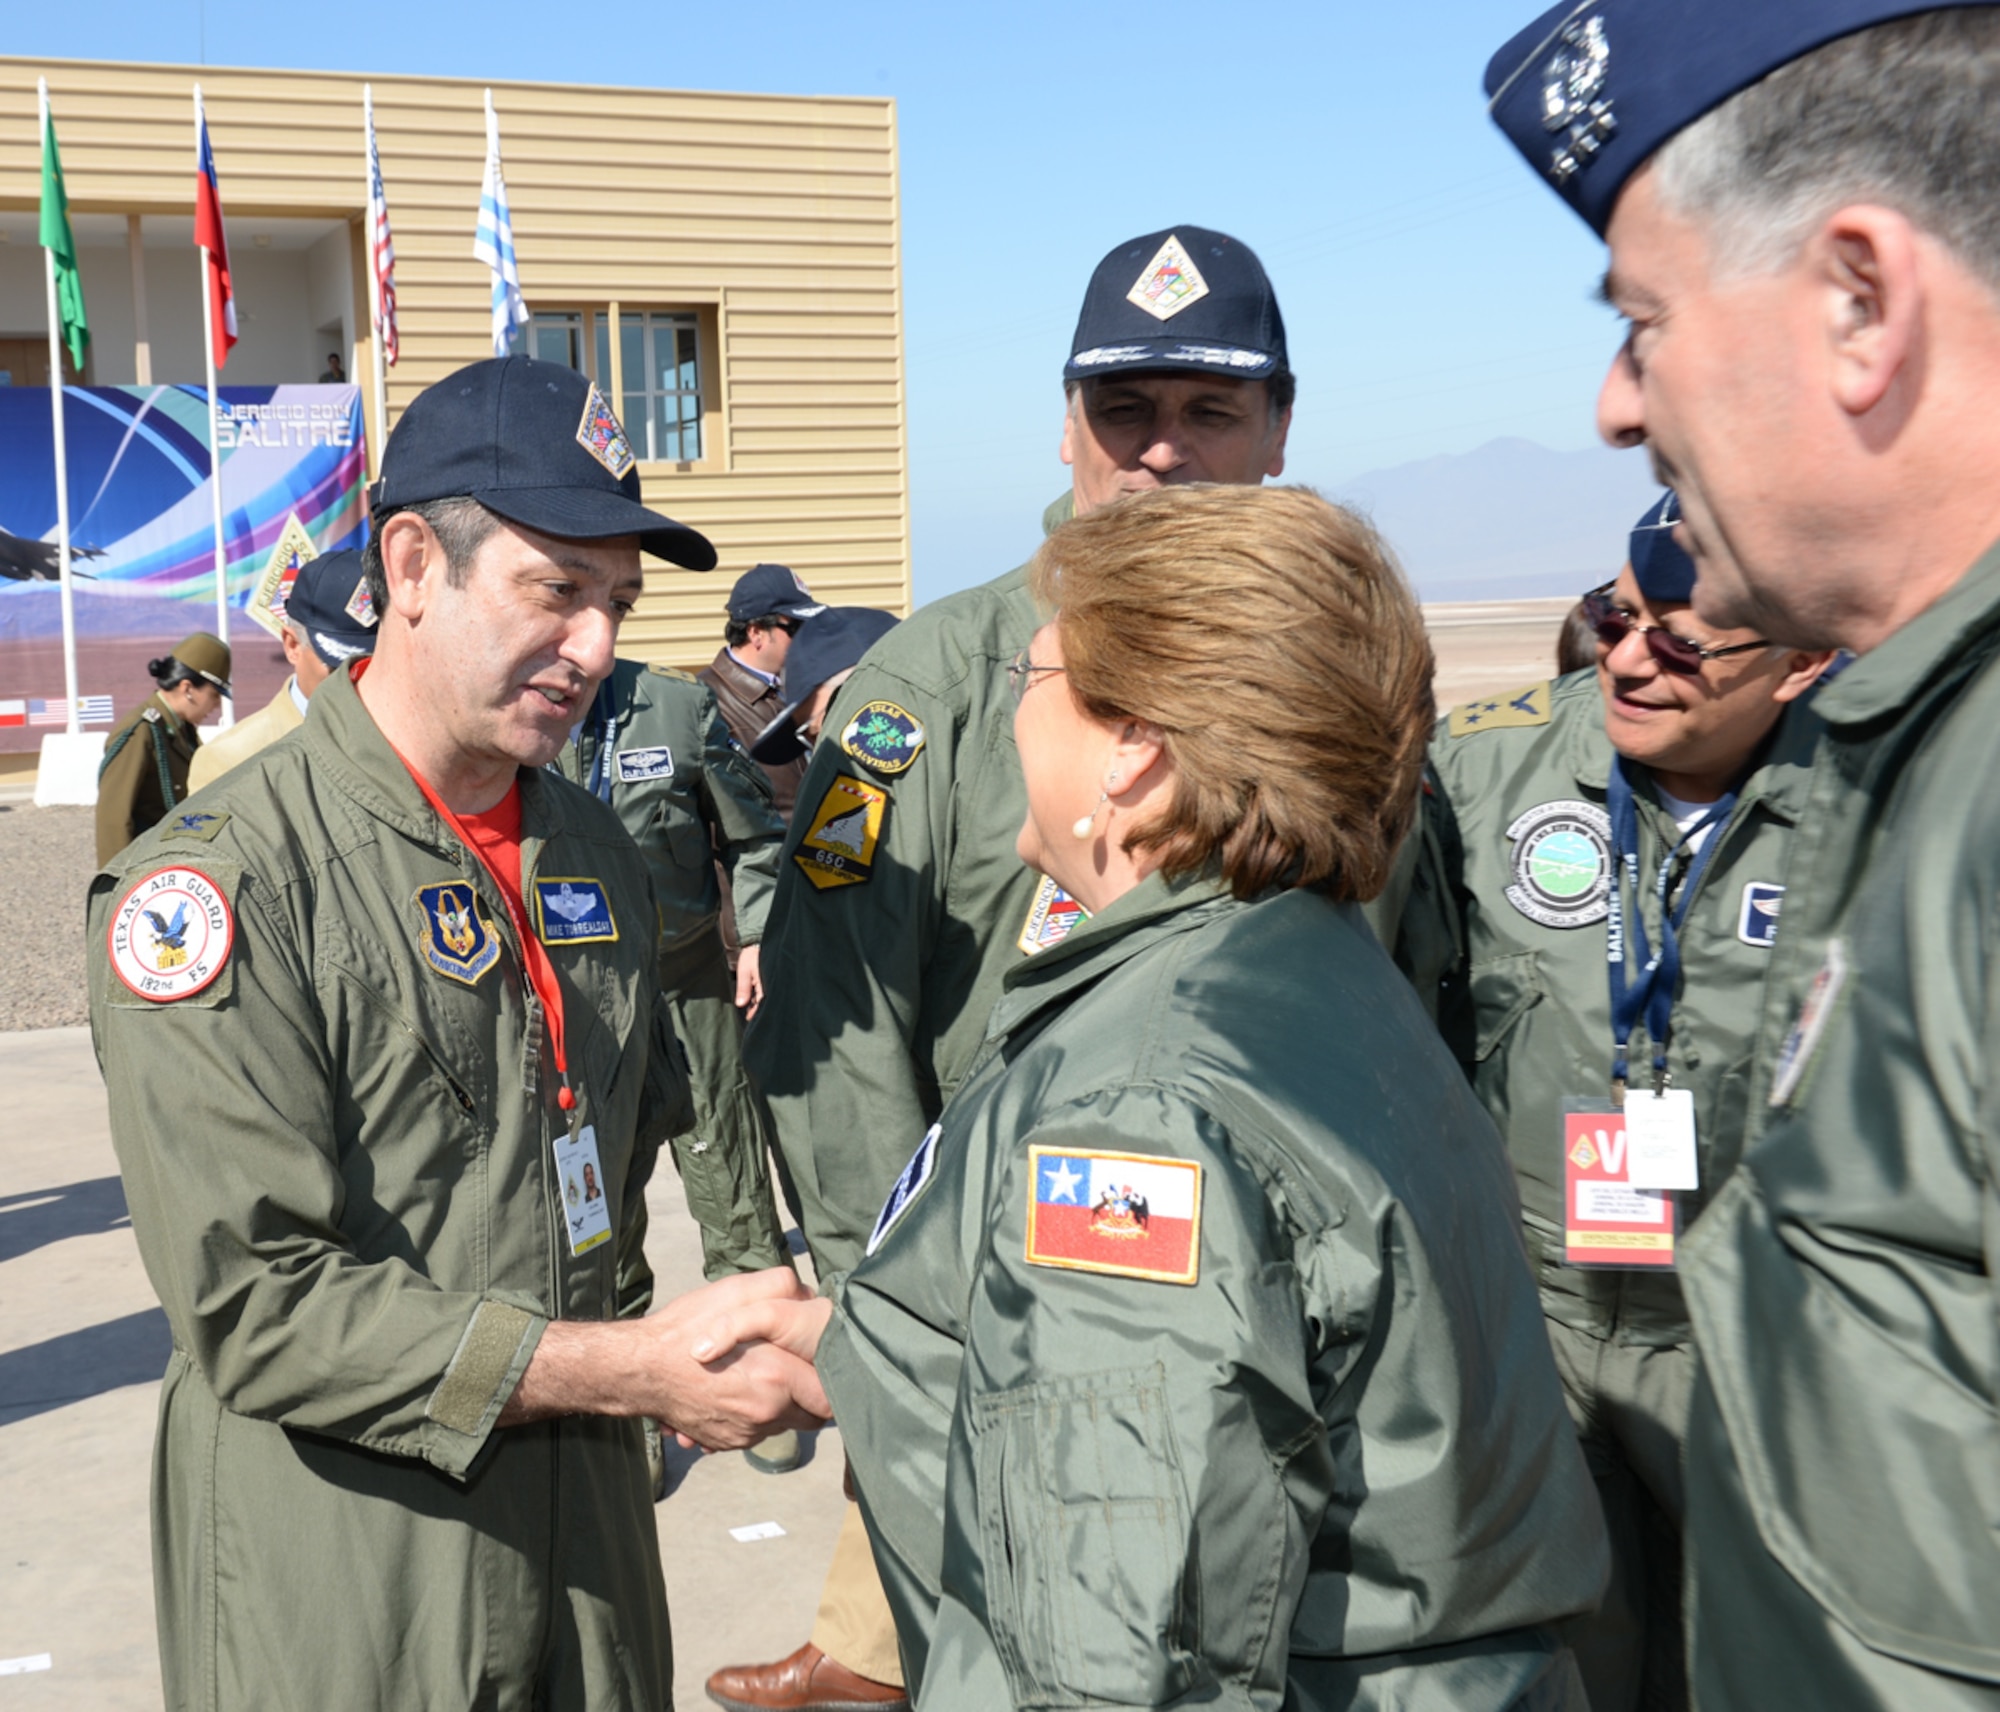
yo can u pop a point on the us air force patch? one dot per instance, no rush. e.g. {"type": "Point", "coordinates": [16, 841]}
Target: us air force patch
{"type": "Point", "coordinates": [1757, 921]}
{"type": "Point", "coordinates": [1133, 1215]}
{"type": "Point", "coordinates": [1050, 918]}
{"type": "Point", "coordinates": [170, 934]}
{"type": "Point", "coordinates": [884, 738]}
{"type": "Point", "coordinates": [572, 911]}
{"type": "Point", "coordinates": [914, 1176]}
{"type": "Point", "coordinates": [195, 825]}
{"type": "Point", "coordinates": [839, 846]}
{"type": "Point", "coordinates": [637, 764]}
{"type": "Point", "coordinates": [1170, 283]}
{"type": "Point", "coordinates": [457, 941]}
{"type": "Point", "coordinates": [1529, 706]}
{"type": "Point", "coordinates": [1562, 863]}
{"type": "Point", "coordinates": [602, 435]}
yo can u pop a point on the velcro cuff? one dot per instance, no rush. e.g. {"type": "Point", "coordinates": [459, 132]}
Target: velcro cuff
{"type": "Point", "coordinates": [485, 1368]}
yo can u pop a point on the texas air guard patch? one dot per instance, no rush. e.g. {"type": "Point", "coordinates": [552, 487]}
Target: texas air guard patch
{"type": "Point", "coordinates": [602, 435]}
{"type": "Point", "coordinates": [170, 934]}
{"type": "Point", "coordinates": [1170, 283]}
{"type": "Point", "coordinates": [572, 912]}
{"type": "Point", "coordinates": [457, 940]}
{"type": "Point", "coordinates": [883, 738]}
{"type": "Point", "coordinates": [839, 846]}
{"type": "Point", "coordinates": [1529, 706]}
{"type": "Point", "coordinates": [1050, 918]}
{"type": "Point", "coordinates": [1133, 1215]}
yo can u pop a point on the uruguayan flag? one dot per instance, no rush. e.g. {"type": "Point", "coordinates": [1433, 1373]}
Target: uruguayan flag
{"type": "Point", "coordinates": [494, 243]}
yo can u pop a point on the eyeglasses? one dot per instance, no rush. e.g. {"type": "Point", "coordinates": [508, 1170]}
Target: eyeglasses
{"type": "Point", "coordinates": [1022, 671]}
{"type": "Point", "coordinates": [1676, 653]}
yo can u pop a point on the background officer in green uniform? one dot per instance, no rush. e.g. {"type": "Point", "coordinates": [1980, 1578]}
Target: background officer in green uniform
{"type": "Point", "coordinates": [366, 1015]}
{"type": "Point", "coordinates": [1688, 750]}
{"type": "Point", "coordinates": [146, 760]}
{"type": "Point", "coordinates": [885, 949]}
{"type": "Point", "coordinates": [1803, 238]}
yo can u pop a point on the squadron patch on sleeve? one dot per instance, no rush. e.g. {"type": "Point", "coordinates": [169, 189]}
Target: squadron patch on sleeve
{"type": "Point", "coordinates": [884, 738]}
{"type": "Point", "coordinates": [171, 934]}
{"type": "Point", "coordinates": [572, 911]}
{"type": "Point", "coordinates": [1050, 918]}
{"type": "Point", "coordinates": [1529, 706]}
{"type": "Point", "coordinates": [839, 846]}
{"type": "Point", "coordinates": [1133, 1215]}
{"type": "Point", "coordinates": [457, 940]}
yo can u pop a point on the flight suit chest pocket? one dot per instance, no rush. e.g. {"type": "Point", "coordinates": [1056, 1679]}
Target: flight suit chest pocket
{"type": "Point", "coordinates": [1085, 1533]}
{"type": "Point", "coordinates": [683, 835]}
{"type": "Point", "coordinates": [1503, 990]}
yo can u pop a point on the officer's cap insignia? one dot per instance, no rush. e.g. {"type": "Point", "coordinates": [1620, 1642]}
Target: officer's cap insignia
{"type": "Point", "coordinates": [571, 911]}
{"type": "Point", "coordinates": [1170, 282]}
{"type": "Point", "coordinates": [1572, 97]}
{"type": "Point", "coordinates": [1050, 918]}
{"type": "Point", "coordinates": [602, 435]}
{"type": "Point", "coordinates": [839, 846]}
{"type": "Point", "coordinates": [1132, 1215]}
{"type": "Point", "coordinates": [195, 824]}
{"type": "Point", "coordinates": [457, 940]}
{"type": "Point", "coordinates": [912, 1178]}
{"type": "Point", "coordinates": [171, 934]}
{"type": "Point", "coordinates": [1529, 706]}
{"type": "Point", "coordinates": [883, 738]}
{"type": "Point", "coordinates": [1562, 863]}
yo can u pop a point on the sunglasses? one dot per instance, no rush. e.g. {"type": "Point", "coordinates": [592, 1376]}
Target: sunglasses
{"type": "Point", "coordinates": [1676, 653]}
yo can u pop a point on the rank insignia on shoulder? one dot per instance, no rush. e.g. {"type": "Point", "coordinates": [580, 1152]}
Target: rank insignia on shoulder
{"type": "Point", "coordinates": [839, 846]}
{"type": "Point", "coordinates": [912, 1178]}
{"type": "Point", "coordinates": [171, 934]}
{"type": "Point", "coordinates": [637, 764]}
{"type": "Point", "coordinates": [457, 940]}
{"type": "Point", "coordinates": [572, 911]}
{"type": "Point", "coordinates": [1050, 918]}
{"type": "Point", "coordinates": [884, 738]}
{"type": "Point", "coordinates": [1132, 1215]}
{"type": "Point", "coordinates": [660, 669]}
{"type": "Point", "coordinates": [195, 825]}
{"type": "Point", "coordinates": [1529, 706]}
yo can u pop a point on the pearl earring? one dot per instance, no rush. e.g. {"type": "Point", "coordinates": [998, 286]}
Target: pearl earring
{"type": "Point", "coordinates": [1087, 824]}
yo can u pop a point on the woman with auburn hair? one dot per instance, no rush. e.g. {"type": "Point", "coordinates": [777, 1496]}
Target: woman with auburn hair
{"type": "Point", "coordinates": [1195, 1358]}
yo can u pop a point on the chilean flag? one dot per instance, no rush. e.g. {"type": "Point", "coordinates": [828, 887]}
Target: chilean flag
{"type": "Point", "coordinates": [209, 235]}
{"type": "Point", "coordinates": [1133, 1215]}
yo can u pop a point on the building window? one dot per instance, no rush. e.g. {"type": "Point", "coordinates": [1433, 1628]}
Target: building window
{"type": "Point", "coordinates": [661, 363]}
{"type": "Point", "coordinates": [556, 338]}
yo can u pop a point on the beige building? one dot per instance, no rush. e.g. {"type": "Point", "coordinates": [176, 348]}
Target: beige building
{"type": "Point", "coordinates": [728, 267]}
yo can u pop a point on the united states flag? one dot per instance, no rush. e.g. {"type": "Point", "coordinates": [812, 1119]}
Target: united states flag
{"type": "Point", "coordinates": [90, 710]}
{"type": "Point", "coordinates": [381, 248]}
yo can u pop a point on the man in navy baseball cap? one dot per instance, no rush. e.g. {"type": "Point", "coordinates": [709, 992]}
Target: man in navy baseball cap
{"type": "Point", "coordinates": [825, 652]}
{"type": "Point", "coordinates": [1799, 203]}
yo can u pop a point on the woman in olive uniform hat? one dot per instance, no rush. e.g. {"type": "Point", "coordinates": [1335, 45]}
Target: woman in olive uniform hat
{"type": "Point", "coordinates": [145, 768]}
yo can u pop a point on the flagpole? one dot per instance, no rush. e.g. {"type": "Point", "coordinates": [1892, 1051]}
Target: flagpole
{"type": "Point", "coordinates": [214, 438]}
{"type": "Point", "coordinates": [379, 342]}
{"type": "Point", "coordinates": [74, 724]}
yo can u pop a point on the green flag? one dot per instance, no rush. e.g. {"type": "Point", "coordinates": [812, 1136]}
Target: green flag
{"type": "Point", "coordinates": [57, 240]}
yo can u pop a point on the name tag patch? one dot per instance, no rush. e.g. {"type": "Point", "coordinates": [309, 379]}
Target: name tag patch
{"type": "Point", "coordinates": [1757, 923]}
{"type": "Point", "coordinates": [171, 934]}
{"type": "Point", "coordinates": [914, 1176]}
{"type": "Point", "coordinates": [572, 911]}
{"type": "Point", "coordinates": [1050, 918]}
{"type": "Point", "coordinates": [839, 846]}
{"type": "Point", "coordinates": [637, 764]}
{"type": "Point", "coordinates": [457, 940]}
{"type": "Point", "coordinates": [1131, 1215]}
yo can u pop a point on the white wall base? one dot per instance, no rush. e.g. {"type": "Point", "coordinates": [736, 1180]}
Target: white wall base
{"type": "Point", "coordinates": [68, 776]}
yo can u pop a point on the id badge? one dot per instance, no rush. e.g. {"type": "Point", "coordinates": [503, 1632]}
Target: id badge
{"type": "Point", "coordinates": [586, 1207]}
{"type": "Point", "coordinates": [1607, 1219]}
{"type": "Point", "coordinates": [1659, 1132]}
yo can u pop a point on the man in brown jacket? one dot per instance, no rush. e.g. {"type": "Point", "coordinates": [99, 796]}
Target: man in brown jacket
{"type": "Point", "coordinates": [766, 608]}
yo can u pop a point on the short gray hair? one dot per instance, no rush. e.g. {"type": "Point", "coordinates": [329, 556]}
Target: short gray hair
{"type": "Point", "coordinates": [461, 526]}
{"type": "Point", "coordinates": [1902, 114]}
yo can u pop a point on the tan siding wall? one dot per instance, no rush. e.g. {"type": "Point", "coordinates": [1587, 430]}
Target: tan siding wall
{"type": "Point", "coordinates": [778, 215]}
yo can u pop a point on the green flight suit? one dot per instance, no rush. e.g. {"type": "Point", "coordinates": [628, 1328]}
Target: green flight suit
{"type": "Point", "coordinates": [339, 1157]}
{"type": "Point", "coordinates": [1843, 1461]}
{"type": "Point", "coordinates": [1332, 1467]}
{"type": "Point", "coordinates": [688, 794]}
{"type": "Point", "coordinates": [1527, 1004]}
{"type": "Point", "coordinates": [143, 774]}
{"type": "Point", "coordinates": [878, 990]}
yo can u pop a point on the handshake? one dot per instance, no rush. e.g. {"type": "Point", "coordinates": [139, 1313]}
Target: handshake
{"type": "Point", "coordinates": [720, 1367]}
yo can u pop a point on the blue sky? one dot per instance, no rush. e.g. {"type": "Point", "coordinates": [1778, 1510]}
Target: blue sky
{"type": "Point", "coordinates": [1436, 295]}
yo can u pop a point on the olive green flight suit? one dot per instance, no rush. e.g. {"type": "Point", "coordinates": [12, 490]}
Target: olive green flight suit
{"type": "Point", "coordinates": [143, 774]}
{"type": "Point", "coordinates": [688, 794]}
{"type": "Point", "coordinates": [1527, 1003]}
{"type": "Point", "coordinates": [339, 1156]}
{"type": "Point", "coordinates": [1330, 1469]}
{"type": "Point", "coordinates": [1843, 1462]}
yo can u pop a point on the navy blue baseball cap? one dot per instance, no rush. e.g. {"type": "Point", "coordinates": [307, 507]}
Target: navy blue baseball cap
{"type": "Point", "coordinates": [1589, 92]}
{"type": "Point", "coordinates": [330, 603]}
{"type": "Point", "coordinates": [535, 443]}
{"type": "Point", "coordinates": [1186, 300]}
{"type": "Point", "coordinates": [1659, 562]}
{"type": "Point", "coordinates": [771, 591]}
{"type": "Point", "coordinates": [831, 641]}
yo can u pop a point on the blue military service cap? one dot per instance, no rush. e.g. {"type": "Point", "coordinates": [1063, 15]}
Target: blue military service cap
{"type": "Point", "coordinates": [1589, 92]}
{"type": "Point", "coordinates": [1182, 300]}
{"type": "Point", "coordinates": [1659, 562]}
{"type": "Point", "coordinates": [330, 603]}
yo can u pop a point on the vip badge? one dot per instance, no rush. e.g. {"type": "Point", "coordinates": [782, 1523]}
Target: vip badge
{"type": "Point", "coordinates": [1562, 864]}
{"type": "Point", "coordinates": [1572, 97]}
{"type": "Point", "coordinates": [1170, 283]}
{"type": "Point", "coordinates": [457, 941]}
{"type": "Point", "coordinates": [170, 934]}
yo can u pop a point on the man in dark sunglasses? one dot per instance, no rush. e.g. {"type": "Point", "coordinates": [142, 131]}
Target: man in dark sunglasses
{"type": "Point", "coordinates": [1639, 811]}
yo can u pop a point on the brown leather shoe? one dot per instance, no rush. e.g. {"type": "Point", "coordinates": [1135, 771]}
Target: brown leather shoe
{"type": "Point", "coordinates": [808, 1681]}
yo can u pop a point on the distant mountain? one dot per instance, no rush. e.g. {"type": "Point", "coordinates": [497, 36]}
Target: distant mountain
{"type": "Point", "coordinates": [1508, 521]}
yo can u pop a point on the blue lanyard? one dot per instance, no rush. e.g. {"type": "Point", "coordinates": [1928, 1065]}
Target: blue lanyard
{"type": "Point", "coordinates": [605, 711]}
{"type": "Point", "coordinates": [1651, 992]}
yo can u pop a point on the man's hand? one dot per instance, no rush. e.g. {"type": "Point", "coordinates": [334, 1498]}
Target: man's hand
{"type": "Point", "coordinates": [749, 981]}
{"type": "Point", "coordinates": [793, 1326]}
{"type": "Point", "coordinates": [647, 1367]}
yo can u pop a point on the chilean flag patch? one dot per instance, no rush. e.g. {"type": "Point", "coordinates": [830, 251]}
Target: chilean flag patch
{"type": "Point", "coordinates": [1131, 1215]}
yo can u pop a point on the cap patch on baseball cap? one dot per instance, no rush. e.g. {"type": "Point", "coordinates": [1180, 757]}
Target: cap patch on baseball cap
{"type": "Point", "coordinates": [361, 606]}
{"type": "Point", "coordinates": [1169, 283]}
{"type": "Point", "coordinates": [602, 435]}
